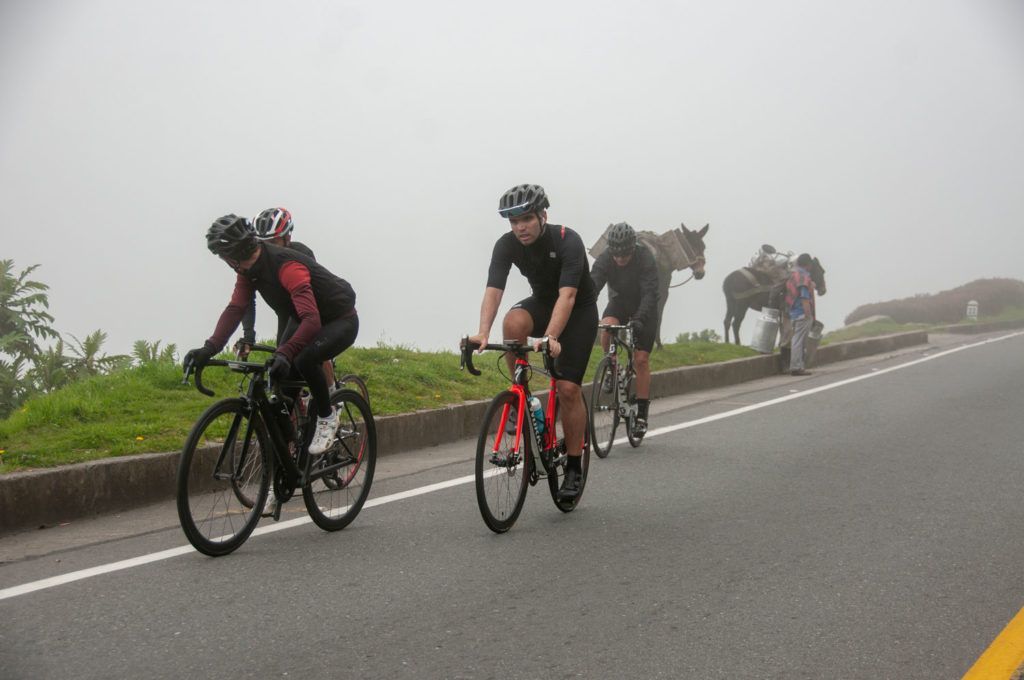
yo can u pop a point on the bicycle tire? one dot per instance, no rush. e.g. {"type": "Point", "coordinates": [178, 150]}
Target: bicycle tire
{"type": "Point", "coordinates": [558, 468]}
{"type": "Point", "coordinates": [211, 511]}
{"type": "Point", "coordinates": [501, 476]}
{"type": "Point", "coordinates": [335, 499]}
{"type": "Point", "coordinates": [604, 408]}
{"type": "Point", "coordinates": [631, 435]}
{"type": "Point", "coordinates": [351, 381]}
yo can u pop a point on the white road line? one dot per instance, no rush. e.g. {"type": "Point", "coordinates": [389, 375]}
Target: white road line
{"type": "Point", "coordinates": [71, 577]}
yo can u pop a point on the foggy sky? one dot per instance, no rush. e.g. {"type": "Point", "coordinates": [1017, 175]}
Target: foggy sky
{"type": "Point", "coordinates": [885, 138]}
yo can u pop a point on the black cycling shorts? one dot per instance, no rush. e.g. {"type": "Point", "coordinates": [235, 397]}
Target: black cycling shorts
{"type": "Point", "coordinates": [577, 339]}
{"type": "Point", "coordinates": [644, 340]}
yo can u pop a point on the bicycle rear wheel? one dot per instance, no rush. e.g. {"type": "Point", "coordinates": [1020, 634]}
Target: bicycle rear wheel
{"type": "Point", "coordinates": [223, 477]}
{"type": "Point", "coordinates": [604, 408]}
{"type": "Point", "coordinates": [558, 465]}
{"type": "Point", "coordinates": [351, 381]}
{"type": "Point", "coordinates": [342, 475]}
{"type": "Point", "coordinates": [502, 475]}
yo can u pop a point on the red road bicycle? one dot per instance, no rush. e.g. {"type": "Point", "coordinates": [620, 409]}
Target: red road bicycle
{"type": "Point", "coordinates": [517, 447]}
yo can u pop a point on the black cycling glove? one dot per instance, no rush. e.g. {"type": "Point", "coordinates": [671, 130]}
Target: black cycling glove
{"type": "Point", "coordinates": [638, 327]}
{"type": "Point", "coordinates": [200, 355]}
{"type": "Point", "coordinates": [280, 367]}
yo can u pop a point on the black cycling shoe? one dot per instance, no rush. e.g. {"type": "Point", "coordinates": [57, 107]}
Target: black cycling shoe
{"type": "Point", "coordinates": [570, 485]}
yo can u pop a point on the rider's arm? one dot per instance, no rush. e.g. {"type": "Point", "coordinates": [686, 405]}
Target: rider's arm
{"type": "Point", "coordinates": [599, 272]}
{"type": "Point", "coordinates": [241, 299]}
{"type": "Point", "coordinates": [489, 310]}
{"type": "Point", "coordinates": [497, 277]}
{"type": "Point", "coordinates": [648, 308]}
{"type": "Point", "coordinates": [560, 314]}
{"type": "Point", "coordinates": [249, 322]}
{"type": "Point", "coordinates": [294, 276]}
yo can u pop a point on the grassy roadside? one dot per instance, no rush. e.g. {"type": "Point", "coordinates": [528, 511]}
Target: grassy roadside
{"type": "Point", "coordinates": [147, 409]}
{"type": "Point", "coordinates": [876, 328]}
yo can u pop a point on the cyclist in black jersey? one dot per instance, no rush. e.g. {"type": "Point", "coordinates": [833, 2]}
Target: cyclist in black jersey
{"type": "Point", "coordinates": [562, 308]}
{"type": "Point", "coordinates": [275, 226]}
{"type": "Point", "coordinates": [294, 286]}
{"type": "Point", "coordinates": [631, 273]}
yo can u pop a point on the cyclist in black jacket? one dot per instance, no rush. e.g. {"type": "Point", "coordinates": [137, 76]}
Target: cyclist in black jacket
{"type": "Point", "coordinates": [631, 273]}
{"type": "Point", "coordinates": [273, 225]}
{"type": "Point", "coordinates": [294, 286]}
{"type": "Point", "coordinates": [562, 308]}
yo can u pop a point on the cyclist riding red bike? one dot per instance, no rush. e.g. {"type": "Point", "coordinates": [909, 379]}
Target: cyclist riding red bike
{"type": "Point", "coordinates": [294, 286]}
{"type": "Point", "coordinates": [562, 308]}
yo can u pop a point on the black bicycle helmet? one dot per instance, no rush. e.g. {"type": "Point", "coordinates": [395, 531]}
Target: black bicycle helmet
{"type": "Point", "coordinates": [273, 223]}
{"type": "Point", "coordinates": [232, 237]}
{"type": "Point", "coordinates": [522, 199]}
{"type": "Point", "coordinates": [621, 239]}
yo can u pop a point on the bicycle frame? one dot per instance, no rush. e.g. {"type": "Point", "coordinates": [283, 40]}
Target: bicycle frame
{"type": "Point", "coordinates": [615, 339]}
{"type": "Point", "coordinates": [542, 442]}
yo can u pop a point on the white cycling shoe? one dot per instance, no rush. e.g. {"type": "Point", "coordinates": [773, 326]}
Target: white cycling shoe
{"type": "Point", "coordinates": [323, 436]}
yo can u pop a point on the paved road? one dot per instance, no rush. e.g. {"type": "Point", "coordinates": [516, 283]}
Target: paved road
{"type": "Point", "coordinates": [869, 529]}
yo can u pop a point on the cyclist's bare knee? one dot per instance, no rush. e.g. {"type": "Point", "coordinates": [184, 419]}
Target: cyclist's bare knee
{"type": "Point", "coordinates": [517, 325]}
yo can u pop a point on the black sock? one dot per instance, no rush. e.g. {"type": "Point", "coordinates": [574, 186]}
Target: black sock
{"type": "Point", "coordinates": [575, 463]}
{"type": "Point", "coordinates": [642, 405]}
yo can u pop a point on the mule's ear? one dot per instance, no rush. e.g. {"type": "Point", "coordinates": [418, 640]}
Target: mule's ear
{"type": "Point", "coordinates": [682, 225]}
{"type": "Point", "coordinates": [704, 230]}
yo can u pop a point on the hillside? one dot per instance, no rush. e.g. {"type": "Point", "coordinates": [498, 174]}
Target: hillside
{"type": "Point", "coordinates": [949, 306]}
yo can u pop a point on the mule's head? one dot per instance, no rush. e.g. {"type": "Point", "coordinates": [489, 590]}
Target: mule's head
{"type": "Point", "coordinates": [818, 276]}
{"type": "Point", "coordinates": [695, 239]}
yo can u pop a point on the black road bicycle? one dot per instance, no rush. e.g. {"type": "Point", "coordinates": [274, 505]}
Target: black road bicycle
{"type": "Point", "coordinates": [240, 448]}
{"type": "Point", "coordinates": [613, 394]}
{"type": "Point", "coordinates": [514, 449]}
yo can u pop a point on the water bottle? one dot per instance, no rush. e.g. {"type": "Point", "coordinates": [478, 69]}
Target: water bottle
{"type": "Point", "coordinates": [538, 414]}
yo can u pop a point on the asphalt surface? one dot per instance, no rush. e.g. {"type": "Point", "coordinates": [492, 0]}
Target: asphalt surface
{"type": "Point", "coordinates": [866, 530]}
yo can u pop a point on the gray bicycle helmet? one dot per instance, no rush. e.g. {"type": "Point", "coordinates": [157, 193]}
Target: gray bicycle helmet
{"type": "Point", "coordinates": [273, 223]}
{"type": "Point", "coordinates": [232, 237]}
{"type": "Point", "coordinates": [522, 199]}
{"type": "Point", "coordinates": [621, 239]}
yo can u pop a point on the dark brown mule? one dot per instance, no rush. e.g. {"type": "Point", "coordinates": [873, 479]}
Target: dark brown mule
{"type": "Point", "coordinates": [742, 293]}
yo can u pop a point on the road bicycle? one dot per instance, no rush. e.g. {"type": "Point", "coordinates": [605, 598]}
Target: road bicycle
{"type": "Point", "coordinates": [613, 394]}
{"type": "Point", "coordinates": [349, 381]}
{"type": "Point", "coordinates": [517, 447]}
{"type": "Point", "coordinates": [242, 448]}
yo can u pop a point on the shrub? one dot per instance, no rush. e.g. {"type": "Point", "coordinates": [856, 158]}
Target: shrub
{"type": "Point", "coordinates": [949, 306]}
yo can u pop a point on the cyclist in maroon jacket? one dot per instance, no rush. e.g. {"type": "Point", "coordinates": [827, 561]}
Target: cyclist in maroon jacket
{"type": "Point", "coordinates": [294, 286]}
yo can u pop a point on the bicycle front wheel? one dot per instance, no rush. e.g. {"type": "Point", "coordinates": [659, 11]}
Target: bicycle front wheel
{"type": "Point", "coordinates": [631, 433]}
{"type": "Point", "coordinates": [502, 475]}
{"type": "Point", "coordinates": [604, 408]}
{"type": "Point", "coordinates": [560, 460]}
{"type": "Point", "coordinates": [223, 477]}
{"type": "Point", "coordinates": [340, 478]}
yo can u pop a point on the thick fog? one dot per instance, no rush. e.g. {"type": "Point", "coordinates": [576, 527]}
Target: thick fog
{"type": "Point", "coordinates": [884, 138]}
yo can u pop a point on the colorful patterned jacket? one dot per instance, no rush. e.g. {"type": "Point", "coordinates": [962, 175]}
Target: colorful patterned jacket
{"type": "Point", "coordinates": [798, 278]}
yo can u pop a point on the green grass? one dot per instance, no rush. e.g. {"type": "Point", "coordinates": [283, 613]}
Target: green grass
{"type": "Point", "coordinates": [876, 328]}
{"type": "Point", "coordinates": [147, 409]}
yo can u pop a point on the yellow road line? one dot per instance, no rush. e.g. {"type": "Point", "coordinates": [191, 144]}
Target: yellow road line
{"type": "Point", "coordinates": [1004, 656]}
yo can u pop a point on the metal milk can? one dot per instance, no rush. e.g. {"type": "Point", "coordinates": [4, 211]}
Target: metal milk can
{"type": "Point", "coordinates": [812, 342]}
{"type": "Point", "coordinates": [766, 330]}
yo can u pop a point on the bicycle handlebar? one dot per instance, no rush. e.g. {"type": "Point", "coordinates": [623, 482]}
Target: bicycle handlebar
{"type": "Point", "coordinates": [197, 371]}
{"type": "Point", "coordinates": [467, 349]}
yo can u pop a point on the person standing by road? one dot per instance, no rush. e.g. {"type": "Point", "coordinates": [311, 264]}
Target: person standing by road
{"type": "Point", "coordinates": [631, 273]}
{"type": "Point", "coordinates": [562, 307]}
{"type": "Point", "coordinates": [800, 303]}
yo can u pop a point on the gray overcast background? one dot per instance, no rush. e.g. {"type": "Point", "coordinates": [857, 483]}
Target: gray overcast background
{"type": "Point", "coordinates": [887, 138]}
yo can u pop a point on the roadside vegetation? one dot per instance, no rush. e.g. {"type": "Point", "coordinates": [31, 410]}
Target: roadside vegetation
{"type": "Point", "coordinates": [145, 408]}
{"type": "Point", "coordinates": [949, 306]}
{"type": "Point", "coordinates": [888, 326]}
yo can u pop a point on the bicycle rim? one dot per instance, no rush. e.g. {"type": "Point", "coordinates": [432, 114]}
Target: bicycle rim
{"type": "Point", "coordinates": [351, 381]}
{"type": "Point", "coordinates": [342, 475]}
{"type": "Point", "coordinates": [604, 408]}
{"type": "Point", "coordinates": [222, 484]}
{"type": "Point", "coordinates": [559, 465]}
{"type": "Point", "coordinates": [502, 476]}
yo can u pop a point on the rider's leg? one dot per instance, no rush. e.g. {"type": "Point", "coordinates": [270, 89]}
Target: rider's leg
{"type": "Point", "coordinates": [333, 339]}
{"type": "Point", "coordinates": [518, 325]}
{"type": "Point", "coordinates": [606, 337]}
{"type": "Point", "coordinates": [642, 364]}
{"type": "Point", "coordinates": [574, 416]}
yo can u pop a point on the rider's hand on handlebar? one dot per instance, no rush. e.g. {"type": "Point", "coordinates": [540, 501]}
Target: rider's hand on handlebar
{"type": "Point", "coordinates": [480, 339]}
{"type": "Point", "coordinates": [280, 367]}
{"type": "Point", "coordinates": [199, 356]}
{"type": "Point", "coordinates": [554, 347]}
{"type": "Point", "coordinates": [242, 348]}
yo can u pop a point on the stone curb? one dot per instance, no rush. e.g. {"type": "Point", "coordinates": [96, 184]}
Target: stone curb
{"type": "Point", "coordinates": [976, 328]}
{"type": "Point", "coordinates": [45, 497]}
